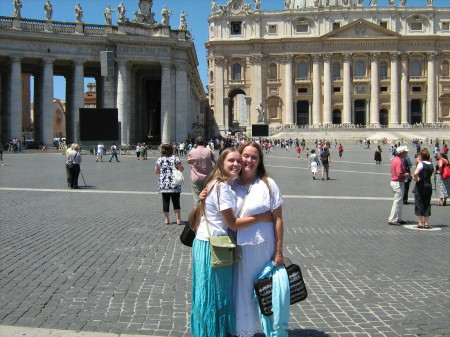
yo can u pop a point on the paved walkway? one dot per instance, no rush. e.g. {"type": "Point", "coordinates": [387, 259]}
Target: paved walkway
{"type": "Point", "coordinates": [100, 259]}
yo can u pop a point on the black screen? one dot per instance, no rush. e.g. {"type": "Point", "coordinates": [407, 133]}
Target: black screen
{"type": "Point", "coordinates": [99, 124]}
{"type": "Point", "coordinates": [260, 130]}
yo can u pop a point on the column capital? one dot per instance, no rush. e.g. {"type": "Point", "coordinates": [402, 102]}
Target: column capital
{"type": "Point", "coordinates": [48, 60]}
{"type": "Point", "coordinates": [15, 58]}
{"type": "Point", "coordinates": [404, 56]}
{"type": "Point", "coordinates": [347, 56]}
{"type": "Point", "coordinates": [327, 56]}
{"type": "Point", "coordinates": [374, 56]}
{"type": "Point", "coordinates": [394, 56]}
{"type": "Point", "coordinates": [286, 59]}
{"type": "Point", "coordinates": [79, 62]}
{"type": "Point", "coordinates": [431, 55]}
{"type": "Point", "coordinates": [316, 57]}
{"type": "Point", "coordinates": [220, 62]}
{"type": "Point", "coordinates": [256, 60]}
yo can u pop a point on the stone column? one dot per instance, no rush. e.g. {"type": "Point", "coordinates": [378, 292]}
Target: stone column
{"type": "Point", "coordinates": [15, 99]}
{"type": "Point", "coordinates": [108, 96]}
{"type": "Point", "coordinates": [347, 96]}
{"type": "Point", "coordinates": [122, 100]}
{"type": "Point", "coordinates": [404, 89]}
{"type": "Point", "coordinates": [47, 103]}
{"type": "Point", "coordinates": [226, 112]}
{"type": "Point", "coordinates": [218, 93]}
{"type": "Point", "coordinates": [248, 101]}
{"type": "Point", "coordinates": [374, 91]}
{"type": "Point", "coordinates": [327, 113]}
{"type": "Point", "coordinates": [316, 90]}
{"type": "Point", "coordinates": [166, 99]}
{"type": "Point", "coordinates": [431, 90]}
{"type": "Point", "coordinates": [257, 92]}
{"type": "Point", "coordinates": [182, 107]}
{"type": "Point", "coordinates": [394, 113]}
{"type": "Point", "coordinates": [289, 81]}
{"type": "Point", "coordinates": [78, 98]}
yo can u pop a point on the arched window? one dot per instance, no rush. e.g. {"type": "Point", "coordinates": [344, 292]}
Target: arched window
{"type": "Point", "coordinates": [383, 70]}
{"type": "Point", "coordinates": [360, 68]}
{"type": "Point", "coordinates": [273, 71]}
{"type": "Point", "coordinates": [302, 70]}
{"type": "Point", "coordinates": [236, 72]}
{"type": "Point", "coordinates": [445, 68]}
{"type": "Point", "coordinates": [336, 70]}
{"type": "Point", "coordinates": [416, 68]}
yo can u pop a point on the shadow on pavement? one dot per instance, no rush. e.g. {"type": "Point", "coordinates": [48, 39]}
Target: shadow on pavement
{"type": "Point", "coordinates": [307, 333]}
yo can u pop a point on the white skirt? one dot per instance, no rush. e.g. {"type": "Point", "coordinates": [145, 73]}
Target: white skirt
{"type": "Point", "coordinates": [254, 259]}
{"type": "Point", "coordinates": [313, 167]}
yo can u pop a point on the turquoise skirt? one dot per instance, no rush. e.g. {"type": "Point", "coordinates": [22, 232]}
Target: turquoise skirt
{"type": "Point", "coordinates": [212, 295]}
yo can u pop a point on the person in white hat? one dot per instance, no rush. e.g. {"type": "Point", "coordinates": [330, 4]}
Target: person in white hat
{"type": "Point", "coordinates": [398, 176]}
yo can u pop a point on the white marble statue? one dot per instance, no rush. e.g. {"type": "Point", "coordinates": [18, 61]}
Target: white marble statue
{"type": "Point", "coordinates": [213, 6]}
{"type": "Point", "coordinates": [165, 14]}
{"type": "Point", "coordinates": [48, 8]}
{"type": "Point", "coordinates": [183, 23]}
{"type": "Point", "coordinates": [373, 3]}
{"type": "Point", "coordinates": [121, 10]}
{"type": "Point", "coordinates": [78, 13]}
{"type": "Point", "coordinates": [402, 3]}
{"type": "Point", "coordinates": [108, 15]}
{"type": "Point", "coordinates": [391, 2]}
{"type": "Point", "coordinates": [430, 2]}
{"type": "Point", "coordinates": [257, 4]}
{"type": "Point", "coordinates": [260, 110]}
{"type": "Point", "coordinates": [17, 8]}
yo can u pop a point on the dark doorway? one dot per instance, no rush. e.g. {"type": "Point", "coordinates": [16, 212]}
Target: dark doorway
{"type": "Point", "coordinates": [384, 117]}
{"type": "Point", "coordinates": [416, 111]}
{"type": "Point", "coordinates": [151, 111]}
{"type": "Point", "coordinates": [302, 113]}
{"type": "Point", "coordinates": [360, 112]}
{"type": "Point", "coordinates": [237, 109]}
{"type": "Point", "coordinates": [337, 116]}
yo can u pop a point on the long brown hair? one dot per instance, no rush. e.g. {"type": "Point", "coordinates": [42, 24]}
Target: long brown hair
{"type": "Point", "coordinates": [261, 169]}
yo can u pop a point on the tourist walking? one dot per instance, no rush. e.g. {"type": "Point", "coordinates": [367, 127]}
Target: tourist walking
{"type": "Point", "coordinates": [442, 185]}
{"type": "Point", "coordinates": [100, 150]}
{"type": "Point", "coordinates": [1, 154]}
{"type": "Point", "coordinates": [398, 176]}
{"type": "Point", "coordinates": [74, 160]}
{"type": "Point", "coordinates": [202, 160]}
{"type": "Point", "coordinates": [212, 288]}
{"type": "Point", "coordinates": [262, 242]}
{"type": "Point", "coordinates": [407, 164]}
{"type": "Point", "coordinates": [424, 190]}
{"type": "Point", "coordinates": [340, 150]}
{"type": "Point", "coordinates": [313, 163]}
{"type": "Point", "coordinates": [168, 189]}
{"type": "Point", "coordinates": [114, 153]}
{"type": "Point", "coordinates": [325, 158]}
{"type": "Point", "coordinates": [377, 155]}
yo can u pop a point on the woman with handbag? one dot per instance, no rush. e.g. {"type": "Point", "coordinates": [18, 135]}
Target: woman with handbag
{"type": "Point", "coordinates": [260, 243]}
{"type": "Point", "coordinates": [442, 185]}
{"type": "Point", "coordinates": [212, 288]}
{"type": "Point", "coordinates": [167, 187]}
{"type": "Point", "coordinates": [424, 190]}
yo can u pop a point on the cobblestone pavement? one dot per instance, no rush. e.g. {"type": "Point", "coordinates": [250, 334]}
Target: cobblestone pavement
{"type": "Point", "coordinates": [101, 259]}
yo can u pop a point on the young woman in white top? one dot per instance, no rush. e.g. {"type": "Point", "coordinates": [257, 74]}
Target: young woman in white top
{"type": "Point", "coordinates": [261, 242]}
{"type": "Point", "coordinates": [212, 288]}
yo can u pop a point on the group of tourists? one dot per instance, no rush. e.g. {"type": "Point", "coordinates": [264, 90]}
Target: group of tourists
{"type": "Point", "coordinates": [236, 195]}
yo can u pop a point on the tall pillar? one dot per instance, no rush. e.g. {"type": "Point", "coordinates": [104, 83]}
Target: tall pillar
{"type": "Point", "coordinates": [218, 93]}
{"type": "Point", "coordinates": [226, 112]}
{"type": "Point", "coordinates": [78, 98]}
{"type": "Point", "coordinates": [166, 100]}
{"type": "Point", "coordinates": [47, 103]}
{"type": "Point", "coordinates": [394, 113]}
{"type": "Point", "coordinates": [431, 88]}
{"type": "Point", "coordinates": [182, 106]}
{"type": "Point", "coordinates": [327, 113]}
{"type": "Point", "coordinates": [316, 90]}
{"type": "Point", "coordinates": [108, 97]}
{"type": "Point", "coordinates": [257, 92]}
{"type": "Point", "coordinates": [347, 97]}
{"type": "Point", "coordinates": [122, 100]}
{"type": "Point", "coordinates": [374, 91]}
{"type": "Point", "coordinates": [289, 80]}
{"type": "Point", "coordinates": [15, 99]}
{"type": "Point", "coordinates": [404, 90]}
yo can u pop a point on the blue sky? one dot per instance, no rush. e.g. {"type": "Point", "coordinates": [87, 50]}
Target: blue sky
{"type": "Point", "coordinates": [197, 13]}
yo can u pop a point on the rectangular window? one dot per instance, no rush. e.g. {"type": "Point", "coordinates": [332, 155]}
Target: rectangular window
{"type": "Point", "coordinates": [302, 90]}
{"type": "Point", "coordinates": [416, 89]}
{"type": "Point", "coordinates": [383, 89]}
{"type": "Point", "coordinates": [236, 28]}
{"type": "Point", "coordinates": [383, 71]}
{"type": "Point", "coordinates": [336, 25]}
{"type": "Point", "coordinates": [336, 71]}
{"type": "Point", "coordinates": [272, 29]}
{"type": "Point", "coordinates": [337, 89]}
{"type": "Point", "coordinates": [416, 26]}
{"type": "Point", "coordinates": [302, 28]}
{"type": "Point", "coordinates": [384, 24]}
{"type": "Point", "coordinates": [446, 26]}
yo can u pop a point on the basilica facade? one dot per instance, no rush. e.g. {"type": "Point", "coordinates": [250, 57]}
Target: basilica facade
{"type": "Point", "coordinates": [144, 69]}
{"type": "Point", "coordinates": [328, 63]}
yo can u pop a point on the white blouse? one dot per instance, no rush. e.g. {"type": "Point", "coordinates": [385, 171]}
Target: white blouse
{"type": "Point", "coordinates": [216, 201]}
{"type": "Point", "coordinates": [258, 201]}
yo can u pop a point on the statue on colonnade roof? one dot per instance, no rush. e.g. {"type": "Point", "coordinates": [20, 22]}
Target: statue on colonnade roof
{"type": "Point", "coordinates": [145, 15]}
{"type": "Point", "coordinates": [299, 4]}
{"type": "Point", "coordinates": [17, 8]}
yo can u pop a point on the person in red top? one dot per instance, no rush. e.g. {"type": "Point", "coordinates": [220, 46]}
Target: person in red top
{"type": "Point", "coordinates": [398, 176]}
{"type": "Point", "coordinates": [445, 149]}
{"type": "Point", "coordinates": [341, 150]}
{"type": "Point", "coordinates": [299, 150]}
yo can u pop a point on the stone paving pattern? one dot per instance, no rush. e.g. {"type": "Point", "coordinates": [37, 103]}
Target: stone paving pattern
{"type": "Point", "coordinates": [101, 259]}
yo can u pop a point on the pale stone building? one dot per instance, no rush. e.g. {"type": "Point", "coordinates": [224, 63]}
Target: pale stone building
{"type": "Point", "coordinates": [329, 63]}
{"type": "Point", "coordinates": [149, 74]}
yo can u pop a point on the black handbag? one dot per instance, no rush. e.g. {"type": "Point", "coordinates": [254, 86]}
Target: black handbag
{"type": "Point", "coordinates": [263, 289]}
{"type": "Point", "coordinates": [187, 236]}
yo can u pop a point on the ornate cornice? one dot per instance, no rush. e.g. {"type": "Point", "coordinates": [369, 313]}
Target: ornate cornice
{"type": "Point", "coordinates": [256, 60]}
